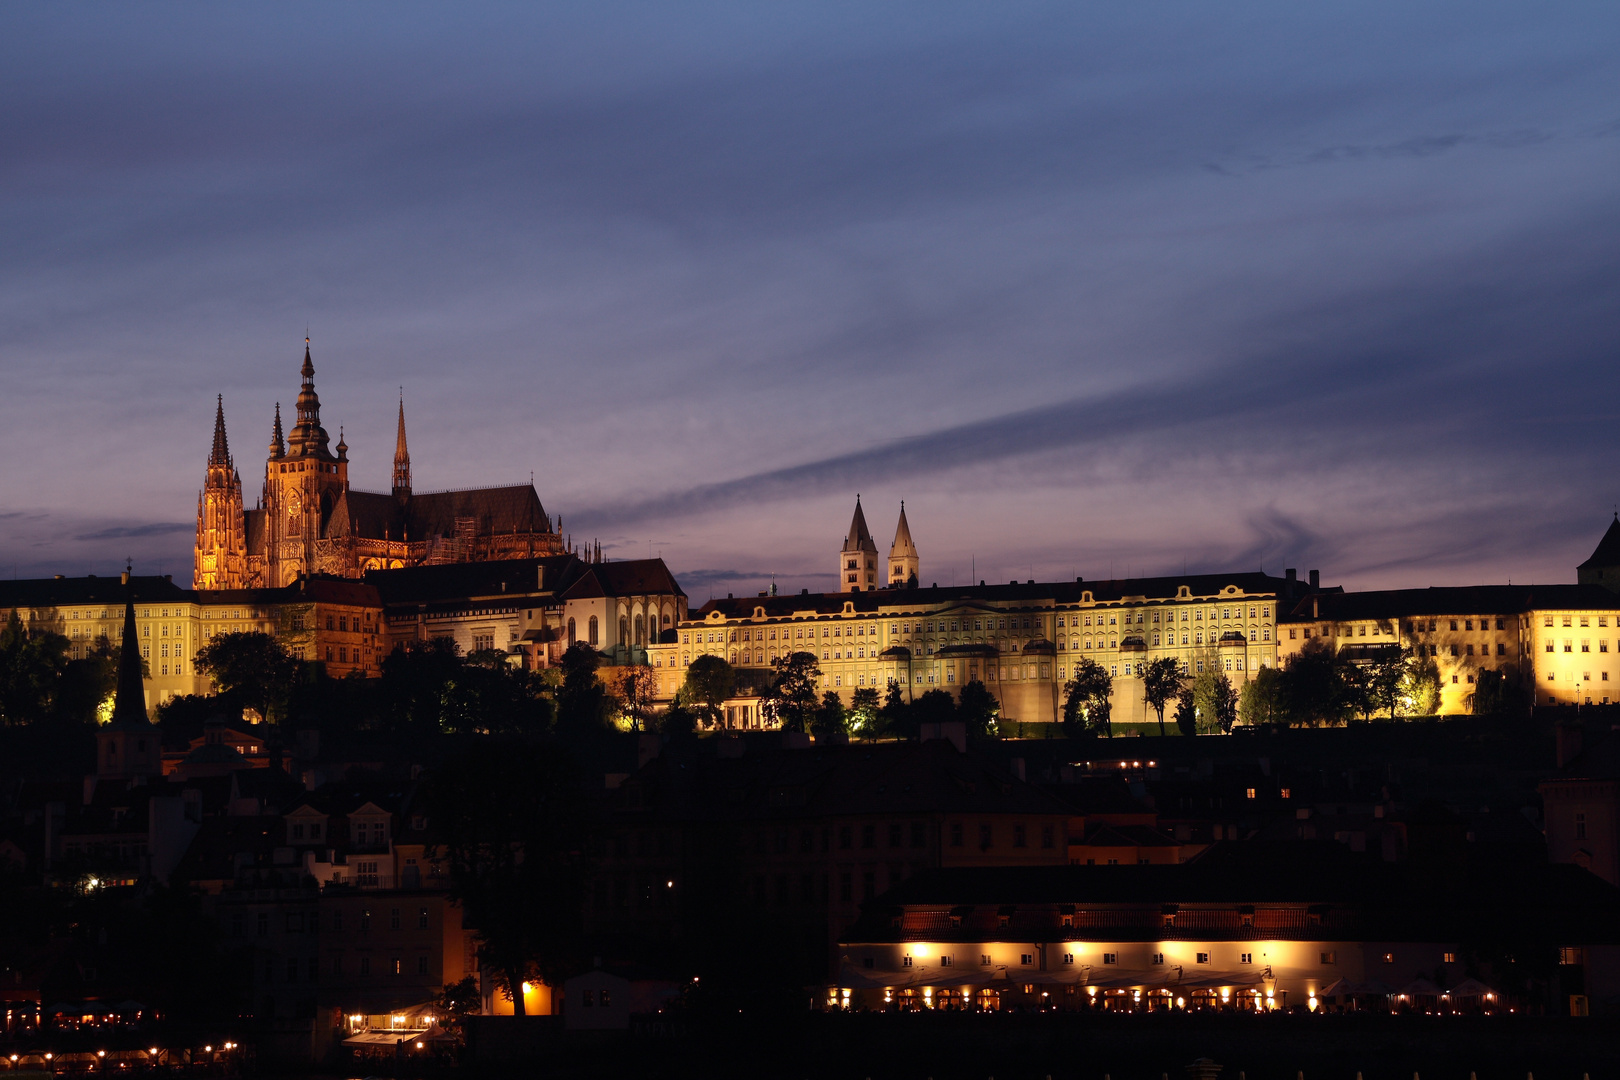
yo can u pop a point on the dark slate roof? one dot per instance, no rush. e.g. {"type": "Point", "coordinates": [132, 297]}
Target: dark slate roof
{"type": "Point", "coordinates": [497, 511]}
{"type": "Point", "coordinates": [255, 526]}
{"type": "Point", "coordinates": [1599, 759]}
{"type": "Point", "coordinates": [64, 591]}
{"type": "Point", "coordinates": [1015, 593]}
{"type": "Point", "coordinates": [1608, 549]}
{"type": "Point", "coordinates": [633, 577]}
{"type": "Point", "coordinates": [1397, 898]}
{"type": "Point", "coordinates": [1394, 604]}
{"type": "Point", "coordinates": [452, 581]}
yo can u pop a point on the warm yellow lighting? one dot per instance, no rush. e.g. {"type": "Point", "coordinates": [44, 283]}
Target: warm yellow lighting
{"type": "Point", "coordinates": [419, 1046]}
{"type": "Point", "coordinates": [920, 951]}
{"type": "Point", "coordinates": [101, 1053]}
{"type": "Point", "coordinates": [527, 988]}
{"type": "Point", "coordinates": [208, 1049]}
{"type": "Point", "coordinates": [1091, 991]}
{"type": "Point", "coordinates": [1310, 1003]}
{"type": "Point", "coordinates": [154, 1050]}
{"type": "Point", "coordinates": [1181, 1003]}
{"type": "Point", "coordinates": [1226, 993]}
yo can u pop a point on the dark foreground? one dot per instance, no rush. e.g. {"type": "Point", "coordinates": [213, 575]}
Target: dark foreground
{"type": "Point", "coordinates": [946, 1047]}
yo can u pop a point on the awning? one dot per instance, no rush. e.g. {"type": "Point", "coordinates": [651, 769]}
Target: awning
{"type": "Point", "coordinates": [1470, 988]}
{"type": "Point", "coordinates": [384, 1038]}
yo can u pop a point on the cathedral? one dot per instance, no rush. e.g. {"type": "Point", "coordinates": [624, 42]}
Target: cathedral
{"type": "Point", "coordinates": [309, 521]}
{"type": "Point", "coordinates": [858, 568]}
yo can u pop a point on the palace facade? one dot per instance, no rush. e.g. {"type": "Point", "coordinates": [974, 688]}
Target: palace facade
{"type": "Point", "coordinates": [309, 521]}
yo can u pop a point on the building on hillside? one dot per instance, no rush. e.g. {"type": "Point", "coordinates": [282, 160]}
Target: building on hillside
{"type": "Point", "coordinates": [802, 837]}
{"type": "Point", "coordinates": [1022, 640]}
{"type": "Point", "coordinates": [1581, 803]}
{"type": "Point", "coordinates": [1563, 640]}
{"type": "Point", "coordinates": [1227, 931]}
{"type": "Point", "coordinates": [534, 608]}
{"type": "Point", "coordinates": [309, 521]}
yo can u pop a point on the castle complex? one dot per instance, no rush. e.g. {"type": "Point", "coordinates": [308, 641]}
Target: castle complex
{"type": "Point", "coordinates": [309, 521]}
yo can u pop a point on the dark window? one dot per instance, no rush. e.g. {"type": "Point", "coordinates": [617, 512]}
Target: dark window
{"type": "Point", "coordinates": [984, 835]}
{"type": "Point", "coordinates": [846, 887]}
{"type": "Point", "coordinates": [1047, 834]}
{"type": "Point", "coordinates": [868, 836]}
{"type": "Point", "coordinates": [264, 924]}
{"type": "Point", "coordinates": [896, 834]}
{"type": "Point", "coordinates": [422, 919]}
{"type": "Point", "coordinates": [868, 885]}
{"type": "Point", "coordinates": [846, 837]}
{"type": "Point", "coordinates": [1018, 836]}
{"type": "Point", "coordinates": [421, 965]}
{"type": "Point", "coordinates": [393, 918]}
{"type": "Point", "coordinates": [919, 834]}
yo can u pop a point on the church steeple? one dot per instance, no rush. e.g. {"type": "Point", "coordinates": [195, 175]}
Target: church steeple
{"type": "Point", "coordinates": [903, 562]}
{"type": "Point", "coordinates": [127, 747]}
{"type": "Point", "coordinates": [129, 700]}
{"type": "Point", "coordinates": [857, 559]}
{"type": "Point", "coordinates": [219, 557]}
{"type": "Point", "coordinates": [402, 456]}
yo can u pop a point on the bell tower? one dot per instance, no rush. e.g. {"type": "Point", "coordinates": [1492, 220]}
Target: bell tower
{"type": "Point", "coordinates": [904, 565]}
{"type": "Point", "coordinates": [858, 558]}
{"type": "Point", "coordinates": [220, 557]}
{"type": "Point", "coordinates": [302, 482]}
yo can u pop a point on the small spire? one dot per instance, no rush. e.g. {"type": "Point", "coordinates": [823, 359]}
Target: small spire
{"type": "Point", "coordinates": [129, 700]}
{"type": "Point", "coordinates": [278, 444]}
{"type": "Point", "coordinates": [221, 453]}
{"type": "Point", "coordinates": [342, 447]}
{"type": "Point", "coordinates": [402, 455]}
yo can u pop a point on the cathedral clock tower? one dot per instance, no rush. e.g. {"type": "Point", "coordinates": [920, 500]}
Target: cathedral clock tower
{"type": "Point", "coordinates": [302, 483]}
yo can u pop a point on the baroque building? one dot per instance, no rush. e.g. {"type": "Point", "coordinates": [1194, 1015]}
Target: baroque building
{"type": "Point", "coordinates": [309, 521]}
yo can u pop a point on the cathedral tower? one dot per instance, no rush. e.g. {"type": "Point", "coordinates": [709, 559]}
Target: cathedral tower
{"type": "Point", "coordinates": [220, 558]}
{"type": "Point", "coordinates": [858, 558]}
{"type": "Point", "coordinates": [402, 458]}
{"type": "Point", "coordinates": [904, 565]}
{"type": "Point", "coordinates": [302, 484]}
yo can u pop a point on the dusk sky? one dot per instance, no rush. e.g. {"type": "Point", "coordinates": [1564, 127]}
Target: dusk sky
{"type": "Point", "coordinates": [1097, 289]}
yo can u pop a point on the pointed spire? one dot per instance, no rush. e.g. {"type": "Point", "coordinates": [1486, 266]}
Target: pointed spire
{"type": "Point", "coordinates": [129, 701]}
{"type": "Point", "coordinates": [308, 435]}
{"type": "Point", "coordinates": [902, 536]}
{"type": "Point", "coordinates": [342, 447]}
{"type": "Point", "coordinates": [221, 453]}
{"type": "Point", "coordinates": [278, 444]}
{"type": "Point", "coordinates": [402, 456]}
{"type": "Point", "coordinates": [860, 538]}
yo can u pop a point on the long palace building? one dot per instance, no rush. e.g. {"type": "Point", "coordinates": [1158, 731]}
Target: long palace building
{"type": "Point", "coordinates": [309, 521]}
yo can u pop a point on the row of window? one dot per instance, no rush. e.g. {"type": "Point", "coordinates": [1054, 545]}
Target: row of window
{"type": "Point", "coordinates": [391, 966]}
{"type": "Point", "coordinates": [300, 923]}
{"type": "Point", "coordinates": [1111, 958]}
{"type": "Point", "coordinates": [1569, 645]}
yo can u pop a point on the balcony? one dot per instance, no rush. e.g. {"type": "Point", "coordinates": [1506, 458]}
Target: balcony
{"type": "Point", "coordinates": [1233, 637]}
{"type": "Point", "coordinates": [1134, 643]}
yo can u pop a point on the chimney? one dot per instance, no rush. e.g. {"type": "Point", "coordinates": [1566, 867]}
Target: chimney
{"type": "Point", "coordinates": [1316, 579]}
{"type": "Point", "coordinates": [540, 577]}
{"type": "Point", "coordinates": [1290, 573]}
{"type": "Point", "coordinates": [1568, 738]}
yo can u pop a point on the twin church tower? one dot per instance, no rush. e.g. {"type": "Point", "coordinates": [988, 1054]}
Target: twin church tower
{"type": "Point", "coordinates": [308, 520]}
{"type": "Point", "coordinates": [858, 569]}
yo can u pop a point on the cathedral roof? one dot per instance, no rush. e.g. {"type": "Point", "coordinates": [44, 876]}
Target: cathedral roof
{"type": "Point", "coordinates": [221, 452]}
{"type": "Point", "coordinates": [860, 538]}
{"type": "Point", "coordinates": [129, 699]}
{"type": "Point", "coordinates": [455, 581]}
{"type": "Point", "coordinates": [1608, 549]}
{"type": "Point", "coordinates": [494, 511]}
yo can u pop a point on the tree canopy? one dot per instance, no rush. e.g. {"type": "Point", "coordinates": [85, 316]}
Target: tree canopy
{"type": "Point", "coordinates": [979, 710]}
{"type": "Point", "coordinates": [1161, 682]}
{"type": "Point", "coordinates": [1088, 699]}
{"type": "Point", "coordinates": [790, 700]}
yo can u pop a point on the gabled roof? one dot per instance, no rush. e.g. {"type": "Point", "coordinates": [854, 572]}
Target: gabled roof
{"type": "Point", "coordinates": [633, 577]}
{"type": "Point", "coordinates": [494, 511]}
{"type": "Point", "coordinates": [1608, 549]}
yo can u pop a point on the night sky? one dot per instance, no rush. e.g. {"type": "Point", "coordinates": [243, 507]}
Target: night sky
{"type": "Point", "coordinates": [1097, 289]}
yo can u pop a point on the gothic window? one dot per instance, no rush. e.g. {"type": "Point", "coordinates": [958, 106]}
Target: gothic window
{"type": "Point", "coordinates": [624, 629]}
{"type": "Point", "coordinates": [593, 632]}
{"type": "Point", "coordinates": [570, 631]}
{"type": "Point", "coordinates": [641, 630]}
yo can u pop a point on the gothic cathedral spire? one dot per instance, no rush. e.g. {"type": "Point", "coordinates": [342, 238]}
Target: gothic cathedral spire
{"type": "Point", "coordinates": [220, 554]}
{"type": "Point", "coordinates": [402, 456]}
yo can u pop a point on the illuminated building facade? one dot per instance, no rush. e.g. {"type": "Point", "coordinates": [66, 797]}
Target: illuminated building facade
{"type": "Point", "coordinates": [309, 521]}
{"type": "Point", "coordinates": [1222, 932]}
{"type": "Point", "coordinates": [1022, 639]}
